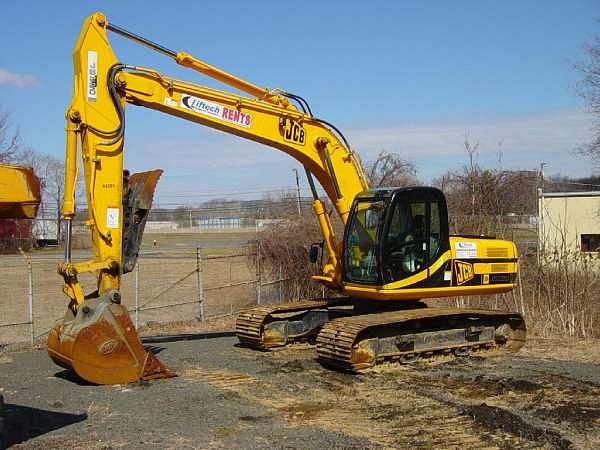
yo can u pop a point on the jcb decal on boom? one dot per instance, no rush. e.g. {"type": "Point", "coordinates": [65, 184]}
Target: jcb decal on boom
{"type": "Point", "coordinates": [464, 272]}
{"type": "Point", "coordinates": [292, 131]}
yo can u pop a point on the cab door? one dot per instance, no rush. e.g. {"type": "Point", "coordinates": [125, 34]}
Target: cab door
{"type": "Point", "coordinates": [415, 233]}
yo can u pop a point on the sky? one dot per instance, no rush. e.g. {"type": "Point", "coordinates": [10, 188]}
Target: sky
{"type": "Point", "coordinates": [407, 77]}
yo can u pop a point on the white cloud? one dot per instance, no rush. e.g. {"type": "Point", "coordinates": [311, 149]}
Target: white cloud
{"type": "Point", "coordinates": [523, 141]}
{"type": "Point", "coordinates": [18, 79]}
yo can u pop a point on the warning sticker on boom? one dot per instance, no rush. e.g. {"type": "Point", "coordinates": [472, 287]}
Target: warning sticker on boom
{"type": "Point", "coordinates": [112, 217]}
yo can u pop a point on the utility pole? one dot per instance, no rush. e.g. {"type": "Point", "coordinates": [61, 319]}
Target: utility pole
{"type": "Point", "coordinates": [542, 165]}
{"type": "Point", "coordinates": [298, 191]}
{"type": "Point", "coordinates": [541, 230]}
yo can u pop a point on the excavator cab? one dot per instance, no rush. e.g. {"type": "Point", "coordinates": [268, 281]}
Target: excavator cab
{"type": "Point", "coordinates": [394, 233]}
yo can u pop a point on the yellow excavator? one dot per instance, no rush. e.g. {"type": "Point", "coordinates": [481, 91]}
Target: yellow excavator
{"type": "Point", "coordinates": [19, 192]}
{"type": "Point", "coordinates": [396, 248]}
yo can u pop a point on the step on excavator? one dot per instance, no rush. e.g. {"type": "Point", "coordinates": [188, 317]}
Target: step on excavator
{"type": "Point", "coordinates": [396, 249]}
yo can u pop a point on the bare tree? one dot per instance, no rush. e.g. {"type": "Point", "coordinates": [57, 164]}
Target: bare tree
{"type": "Point", "coordinates": [480, 198]}
{"type": "Point", "coordinates": [472, 170]}
{"type": "Point", "coordinates": [50, 171]}
{"type": "Point", "coordinates": [589, 89]}
{"type": "Point", "coordinates": [9, 139]}
{"type": "Point", "coordinates": [391, 170]}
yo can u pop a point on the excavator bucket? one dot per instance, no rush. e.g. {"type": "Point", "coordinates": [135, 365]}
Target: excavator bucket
{"type": "Point", "coordinates": [101, 344]}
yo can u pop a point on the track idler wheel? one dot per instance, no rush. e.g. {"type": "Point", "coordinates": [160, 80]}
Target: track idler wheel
{"type": "Point", "coordinates": [101, 345]}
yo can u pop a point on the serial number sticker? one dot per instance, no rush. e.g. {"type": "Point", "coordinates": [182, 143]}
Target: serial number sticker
{"type": "Point", "coordinates": [112, 217]}
{"type": "Point", "coordinates": [465, 250]}
{"type": "Point", "coordinates": [170, 102]}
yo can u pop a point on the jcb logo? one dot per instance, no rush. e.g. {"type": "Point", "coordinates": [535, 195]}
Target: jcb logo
{"type": "Point", "coordinates": [292, 131]}
{"type": "Point", "coordinates": [464, 272]}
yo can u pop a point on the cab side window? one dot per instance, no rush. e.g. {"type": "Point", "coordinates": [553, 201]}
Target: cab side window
{"type": "Point", "coordinates": [404, 251]}
{"type": "Point", "coordinates": [413, 238]}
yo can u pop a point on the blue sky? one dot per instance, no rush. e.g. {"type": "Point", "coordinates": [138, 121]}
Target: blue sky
{"type": "Point", "coordinates": [409, 77]}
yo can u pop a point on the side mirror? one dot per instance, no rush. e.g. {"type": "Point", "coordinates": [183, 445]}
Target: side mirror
{"type": "Point", "coordinates": [313, 254]}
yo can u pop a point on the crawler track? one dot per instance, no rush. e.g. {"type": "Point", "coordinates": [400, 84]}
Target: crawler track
{"type": "Point", "coordinates": [358, 342]}
{"type": "Point", "coordinates": [267, 326]}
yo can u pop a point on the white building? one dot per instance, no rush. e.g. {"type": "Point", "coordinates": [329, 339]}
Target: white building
{"type": "Point", "coordinates": [569, 221]}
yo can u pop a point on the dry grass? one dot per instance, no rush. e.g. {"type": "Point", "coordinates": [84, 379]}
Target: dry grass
{"type": "Point", "coordinates": [560, 294]}
{"type": "Point", "coordinates": [283, 251]}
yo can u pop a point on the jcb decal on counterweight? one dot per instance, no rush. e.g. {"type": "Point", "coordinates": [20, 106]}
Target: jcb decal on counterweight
{"type": "Point", "coordinates": [464, 272]}
{"type": "Point", "coordinates": [292, 131]}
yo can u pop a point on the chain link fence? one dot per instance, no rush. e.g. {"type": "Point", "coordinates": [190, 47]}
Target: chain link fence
{"type": "Point", "coordinates": [167, 286]}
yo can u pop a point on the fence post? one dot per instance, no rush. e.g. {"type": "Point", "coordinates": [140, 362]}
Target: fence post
{"type": "Point", "coordinates": [137, 295]}
{"type": "Point", "coordinates": [258, 274]}
{"type": "Point", "coordinates": [199, 288]}
{"type": "Point", "coordinates": [30, 300]}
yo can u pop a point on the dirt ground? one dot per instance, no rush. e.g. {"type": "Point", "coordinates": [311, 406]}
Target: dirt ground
{"type": "Point", "coordinates": [227, 396]}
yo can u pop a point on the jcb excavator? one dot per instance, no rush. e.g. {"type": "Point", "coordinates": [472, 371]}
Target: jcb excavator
{"type": "Point", "coordinates": [396, 247]}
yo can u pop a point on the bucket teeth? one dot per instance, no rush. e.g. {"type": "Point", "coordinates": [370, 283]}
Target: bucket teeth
{"type": "Point", "coordinates": [154, 369]}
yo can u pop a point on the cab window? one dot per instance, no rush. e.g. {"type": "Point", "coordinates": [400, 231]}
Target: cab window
{"type": "Point", "coordinates": [412, 238]}
{"type": "Point", "coordinates": [362, 241]}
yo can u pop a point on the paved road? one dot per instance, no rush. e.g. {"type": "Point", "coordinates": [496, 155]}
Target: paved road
{"type": "Point", "coordinates": [232, 397]}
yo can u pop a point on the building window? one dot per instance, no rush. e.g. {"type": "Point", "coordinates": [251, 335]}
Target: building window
{"type": "Point", "coordinates": [590, 242]}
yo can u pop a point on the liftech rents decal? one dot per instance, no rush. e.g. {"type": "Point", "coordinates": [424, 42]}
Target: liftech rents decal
{"type": "Point", "coordinates": [92, 75]}
{"type": "Point", "coordinates": [216, 110]}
